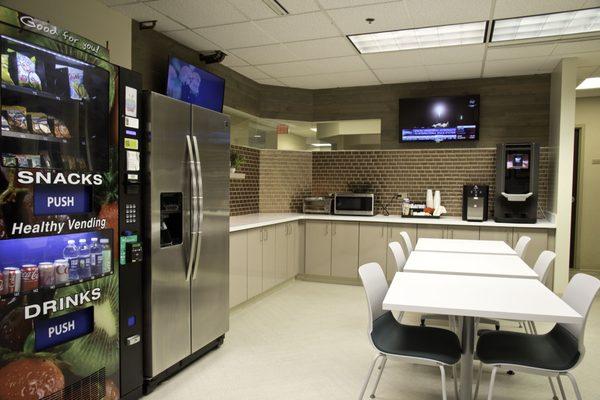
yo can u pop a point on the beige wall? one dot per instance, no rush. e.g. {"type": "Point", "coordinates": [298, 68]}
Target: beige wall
{"type": "Point", "coordinates": [291, 142]}
{"type": "Point", "coordinates": [587, 251]}
{"type": "Point", "coordinates": [88, 18]}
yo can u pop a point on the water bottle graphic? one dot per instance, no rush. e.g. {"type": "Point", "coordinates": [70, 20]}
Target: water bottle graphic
{"type": "Point", "coordinates": [96, 257]}
{"type": "Point", "coordinates": [71, 254]}
{"type": "Point", "coordinates": [106, 256]}
{"type": "Point", "coordinates": [85, 262]}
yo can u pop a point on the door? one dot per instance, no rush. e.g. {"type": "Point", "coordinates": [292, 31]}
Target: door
{"type": "Point", "coordinates": [169, 233]}
{"type": "Point", "coordinates": [238, 268]}
{"type": "Point", "coordinates": [574, 197]}
{"type": "Point", "coordinates": [504, 234]}
{"type": "Point", "coordinates": [318, 248]}
{"type": "Point", "coordinates": [281, 252]}
{"type": "Point", "coordinates": [373, 244]}
{"type": "Point", "coordinates": [255, 263]}
{"type": "Point", "coordinates": [344, 249]}
{"type": "Point", "coordinates": [463, 232]}
{"type": "Point", "coordinates": [210, 278]}
{"type": "Point", "coordinates": [432, 231]}
{"type": "Point", "coordinates": [292, 250]}
{"type": "Point", "coordinates": [269, 258]}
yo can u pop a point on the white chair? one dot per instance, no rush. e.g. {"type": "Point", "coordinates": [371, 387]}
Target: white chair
{"type": "Point", "coordinates": [553, 354]}
{"type": "Point", "coordinates": [522, 245]}
{"type": "Point", "coordinates": [407, 242]}
{"type": "Point", "coordinates": [398, 253]}
{"type": "Point", "coordinates": [391, 339]}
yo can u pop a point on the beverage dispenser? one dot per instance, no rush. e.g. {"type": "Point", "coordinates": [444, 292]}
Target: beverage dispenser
{"type": "Point", "coordinates": [517, 168]}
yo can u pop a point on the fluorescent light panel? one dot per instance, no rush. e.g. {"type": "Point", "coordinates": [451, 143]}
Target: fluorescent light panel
{"type": "Point", "coordinates": [589, 83]}
{"type": "Point", "coordinates": [321, 144]}
{"type": "Point", "coordinates": [537, 26]}
{"type": "Point", "coordinates": [420, 38]}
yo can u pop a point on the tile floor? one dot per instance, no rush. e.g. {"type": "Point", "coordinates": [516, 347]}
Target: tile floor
{"type": "Point", "coordinates": [308, 341]}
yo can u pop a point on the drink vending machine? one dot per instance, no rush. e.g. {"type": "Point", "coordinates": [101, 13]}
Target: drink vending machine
{"type": "Point", "coordinates": [70, 250]}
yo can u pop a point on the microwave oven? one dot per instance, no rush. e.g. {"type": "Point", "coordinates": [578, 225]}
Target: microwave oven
{"type": "Point", "coordinates": [354, 204]}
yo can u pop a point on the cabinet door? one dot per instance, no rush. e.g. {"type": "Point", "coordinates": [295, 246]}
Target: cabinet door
{"type": "Point", "coordinates": [281, 252]}
{"type": "Point", "coordinates": [463, 232]}
{"type": "Point", "coordinates": [344, 249]}
{"type": "Point", "coordinates": [318, 248]}
{"type": "Point", "coordinates": [504, 234]}
{"type": "Point", "coordinates": [292, 250]}
{"type": "Point", "coordinates": [269, 249]}
{"type": "Point", "coordinates": [431, 231]}
{"type": "Point", "coordinates": [373, 243]}
{"type": "Point", "coordinates": [539, 243]}
{"type": "Point", "coordinates": [255, 262]}
{"type": "Point", "coordinates": [301, 246]}
{"type": "Point", "coordinates": [394, 236]}
{"type": "Point", "coordinates": [238, 268]}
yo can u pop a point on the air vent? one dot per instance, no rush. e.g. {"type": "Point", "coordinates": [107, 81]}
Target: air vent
{"type": "Point", "coordinates": [276, 7]}
{"type": "Point", "coordinates": [91, 387]}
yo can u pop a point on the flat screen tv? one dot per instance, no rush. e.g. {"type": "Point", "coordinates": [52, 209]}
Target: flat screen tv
{"type": "Point", "coordinates": [439, 119]}
{"type": "Point", "coordinates": [194, 85]}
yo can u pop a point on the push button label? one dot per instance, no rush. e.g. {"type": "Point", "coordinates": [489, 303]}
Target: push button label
{"type": "Point", "coordinates": [61, 199]}
{"type": "Point", "coordinates": [54, 331]}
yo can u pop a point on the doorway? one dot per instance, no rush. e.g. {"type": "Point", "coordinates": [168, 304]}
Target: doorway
{"type": "Point", "coordinates": [574, 197]}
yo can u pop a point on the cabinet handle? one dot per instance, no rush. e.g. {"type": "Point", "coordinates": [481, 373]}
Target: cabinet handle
{"type": "Point", "coordinates": [382, 229]}
{"type": "Point", "coordinates": [334, 228]}
{"type": "Point", "coordinates": [326, 229]}
{"type": "Point", "coordinates": [266, 235]}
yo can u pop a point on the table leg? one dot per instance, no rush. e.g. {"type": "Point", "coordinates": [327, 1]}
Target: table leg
{"type": "Point", "coordinates": [466, 361]}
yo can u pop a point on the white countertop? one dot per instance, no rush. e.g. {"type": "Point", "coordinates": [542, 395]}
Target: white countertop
{"type": "Point", "coordinates": [249, 221]}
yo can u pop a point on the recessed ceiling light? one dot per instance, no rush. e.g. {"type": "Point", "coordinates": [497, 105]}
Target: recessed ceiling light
{"type": "Point", "coordinates": [321, 144]}
{"type": "Point", "coordinates": [313, 129]}
{"type": "Point", "coordinates": [589, 83]}
{"type": "Point", "coordinates": [420, 38]}
{"type": "Point", "coordinates": [536, 26]}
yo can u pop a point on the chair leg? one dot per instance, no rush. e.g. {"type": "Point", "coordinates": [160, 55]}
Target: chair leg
{"type": "Point", "coordinates": [492, 379]}
{"type": "Point", "coordinates": [575, 387]}
{"type": "Point", "coordinates": [562, 389]}
{"type": "Point", "coordinates": [455, 379]}
{"type": "Point", "coordinates": [364, 388]}
{"type": "Point", "coordinates": [554, 396]}
{"type": "Point", "coordinates": [381, 367]}
{"type": "Point", "coordinates": [478, 380]}
{"type": "Point", "coordinates": [443, 373]}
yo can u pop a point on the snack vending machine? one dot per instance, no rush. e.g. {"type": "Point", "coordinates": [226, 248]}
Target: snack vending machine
{"type": "Point", "coordinates": [59, 214]}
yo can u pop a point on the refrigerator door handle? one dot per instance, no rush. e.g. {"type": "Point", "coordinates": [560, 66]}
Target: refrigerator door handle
{"type": "Point", "coordinates": [200, 201]}
{"type": "Point", "coordinates": [194, 220]}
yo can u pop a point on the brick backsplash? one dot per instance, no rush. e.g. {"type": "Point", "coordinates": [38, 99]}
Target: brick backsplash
{"type": "Point", "coordinates": [277, 181]}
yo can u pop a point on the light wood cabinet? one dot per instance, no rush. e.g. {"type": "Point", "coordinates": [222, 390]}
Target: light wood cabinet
{"type": "Point", "coordinates": [539, 243]}
{"type": "Point", "coordinates": [373, 241]}
{"type": "Point", "coordinates": [394, 236]}
{"type": "Point", "coordinates": [269, 251]}
{"type": "Point", "coordinates": [463, 232]}
{"type": "Point", "coordinates": [431, 231]}
{"type": "Point", "coordinates": [255, 262]}
{"type": "Point", "coordinates": [490, 233]}
{"type": "Point", "coordinates": [318, 248]}
{"type": "Point", "coordinates": [344, 249]}
{"type": "Point", "coordinates": [238, 268]}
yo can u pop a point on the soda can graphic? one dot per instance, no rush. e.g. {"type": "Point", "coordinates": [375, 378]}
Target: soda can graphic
{"type": "Point", "coordinates": [12, 278]}
{"type": "Point", "coordinates": [61, 271]}
{"type": "Point", "coordinates": [46, 274]}
{"type": "Point", "coordinates": [29, 277]}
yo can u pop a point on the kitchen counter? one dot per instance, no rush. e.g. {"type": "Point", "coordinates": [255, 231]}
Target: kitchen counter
{"type": "Point", "coordinates": [249, 221]}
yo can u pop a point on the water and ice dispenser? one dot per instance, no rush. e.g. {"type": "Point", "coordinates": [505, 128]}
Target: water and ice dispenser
{"type": "Point", "coordinates": [517, 168]}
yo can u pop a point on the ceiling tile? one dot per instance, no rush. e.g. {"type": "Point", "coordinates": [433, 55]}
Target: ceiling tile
{"type": "Point", "coordinates": [293, 28]}
{"type": "Point", "coordinates": [353, 78]}
{"type": "Point", "coordinates": [519, 51]}
{"type": "Point", "coordinates": [251, 72]}
{"type": "Point", "coordinates": [521, 66]}
{"type": "Point", "coordinates": [453, 54]}
{"type": "Point", "coordinates": [394, 59]}
{"type": "Point", "coordinates": [584, 46]}
{"type": "Point", "coordinates": [111, 3]}
{"type": "Point", "coordinates": [322, 48]}
{"type": "Point", "coordinates": [454, 71]}
{"type": "Point", "coordinates": [388, 16]}
{"type": "Point", "coordinates": [327, 4]}
{"type": "Point", "coordinates": [308, 82]}
{"type": "Point", "coordinates": [273, 53]}
{"type": "Point", "coordinates": [233, 61]}
{"type": "Point", "coordinates": [199, 13]}
{"type": "Point", "coordinates": [245, 34]}
{"type": "Point", "coordinates": [518, 8]}
{"type": "Point", "coordinates": [314, 67]}
{"type": "Point", "coordinates": [141, 12]}
{"type": "Point", "coordinates": [299, 6]}
{"type": "Point", "coordinates": [400, 75]}
{"type": "Point", "coordinates": [191, 40]}
{"type": "Point", "coordinates": [270, 81]}
{"type": "Point", "coordinates": [257, 9]}
{"type": "Point", "coordinates": [434, 12]}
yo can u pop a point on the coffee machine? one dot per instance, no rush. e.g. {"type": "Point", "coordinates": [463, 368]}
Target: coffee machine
{"type": "Point", "coordinates": [516, 198]}
{"type": "Point", "coordinates": [475, 202]}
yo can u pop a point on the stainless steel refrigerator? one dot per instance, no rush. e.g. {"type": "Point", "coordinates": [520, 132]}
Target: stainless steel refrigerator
{"type": "Point", "coordinates": [187, 226]}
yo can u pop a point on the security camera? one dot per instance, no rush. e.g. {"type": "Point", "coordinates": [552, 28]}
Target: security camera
{"type": "Point", "coordinates": [212, 58]}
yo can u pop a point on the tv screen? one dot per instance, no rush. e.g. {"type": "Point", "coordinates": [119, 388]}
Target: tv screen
{"type": "Point", "coordinates": [439, 119]}
{"type": "Point", "coordinates": [189, 83]}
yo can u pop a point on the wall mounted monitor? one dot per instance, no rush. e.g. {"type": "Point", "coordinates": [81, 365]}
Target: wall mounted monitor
{"type": "Point", "coordinates": [439, 119]}
{"type": "Point", "coordinates": [194, 85]}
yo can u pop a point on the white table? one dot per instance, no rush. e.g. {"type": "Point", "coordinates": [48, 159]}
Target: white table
{"type": "Point", "coordinates": [469, 264]}
{"type": "Point", "coordinates": [465, 246]}
{"type": "Point", "coordinates": [472, 296]}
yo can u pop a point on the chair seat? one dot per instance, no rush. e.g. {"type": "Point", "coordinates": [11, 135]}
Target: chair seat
{"type": "Point", "coordinates": [556, 350]}
{"type": "Point", "coordinates": [391, 337]}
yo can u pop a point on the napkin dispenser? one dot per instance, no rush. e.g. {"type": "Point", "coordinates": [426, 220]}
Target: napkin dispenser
{"type": "Point", "coordinates": [475, 203]}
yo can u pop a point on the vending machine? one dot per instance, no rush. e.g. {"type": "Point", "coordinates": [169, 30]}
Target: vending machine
{"type": "Point", "coordinates": [62, 221]}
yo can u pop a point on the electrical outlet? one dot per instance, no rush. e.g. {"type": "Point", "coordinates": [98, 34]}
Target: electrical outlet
{"type": "Point", "coordinates": [402, 195]}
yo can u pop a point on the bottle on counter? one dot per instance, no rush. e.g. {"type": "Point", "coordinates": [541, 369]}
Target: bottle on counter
{"type": "Point", "coordinates": [85, 262]}
{"type": "Point", "coordinates": [96, 257]}
{"type": "Point", "coordinates": [106, 256]}
{"type": "Point", "coordinates": [71, 254]}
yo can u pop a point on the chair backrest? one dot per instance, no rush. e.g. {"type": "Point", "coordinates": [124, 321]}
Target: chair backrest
{"type": "Point", "coordinates": [580, 294]}
{"type": "Point", "coordinates": [398, 254]}
{"type": "Point", "coordinates": [522, 245]}
{"type": "Point", "coordinates": [375, 284]}
{"type": "Point", "coordinates": [543, 264]}
{"type": "Point", "coordinates": [407, 242]}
